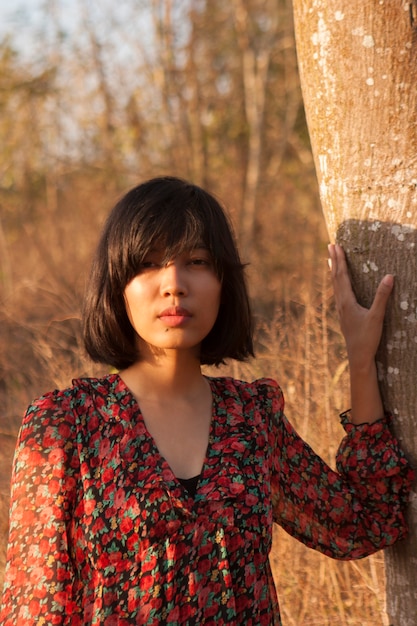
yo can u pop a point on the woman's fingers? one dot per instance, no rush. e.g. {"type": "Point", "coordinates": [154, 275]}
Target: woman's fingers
{"type": "Point", "coordinates": [382, 295]}
{"type": "Point", "coordinates": [360, 326]}
{"type": "Point", "coordinates": [342, 286]}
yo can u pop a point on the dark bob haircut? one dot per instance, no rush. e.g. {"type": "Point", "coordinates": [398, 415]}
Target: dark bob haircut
{"type": "Point", "coordinates": [178, 215]}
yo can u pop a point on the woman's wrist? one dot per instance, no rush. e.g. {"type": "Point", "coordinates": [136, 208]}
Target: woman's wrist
{"type": "Point", "coordinates": [366, 401]}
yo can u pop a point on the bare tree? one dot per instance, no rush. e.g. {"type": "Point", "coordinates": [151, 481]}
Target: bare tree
{"type": "Point", "coordinates": [255, 68]}
{"type": "Point", "coordinates": [358, 67]}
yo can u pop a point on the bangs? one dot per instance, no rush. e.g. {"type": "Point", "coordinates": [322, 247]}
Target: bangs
{"type": "Point", "coordinates": [177, 232]}
{"type": "Point", "coordinates": [174, 229]}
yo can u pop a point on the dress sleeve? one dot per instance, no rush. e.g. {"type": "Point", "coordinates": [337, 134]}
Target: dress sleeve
{"type": "Point", "coordinates": [349, 513]}
{"type": "Point", "coordinates": [39, 575]}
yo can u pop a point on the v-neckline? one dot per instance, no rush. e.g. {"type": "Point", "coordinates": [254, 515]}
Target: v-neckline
{"type": "Point", "coordinates": [162, 461]}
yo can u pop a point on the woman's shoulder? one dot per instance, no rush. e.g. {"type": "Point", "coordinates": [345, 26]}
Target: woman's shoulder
{"type": "Point", "coordinates": [56, 419]}
{"type": "Point", "coordinates": [267, 391]}
{"type": "Point", "coordinates": [80, 388]}
{"type": "Point", "coordinates": [63, 405]}
{"type": "Point", "coordinates": [252, 387]}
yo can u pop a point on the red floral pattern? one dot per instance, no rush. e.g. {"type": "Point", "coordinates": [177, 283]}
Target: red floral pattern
{"type": "Point", "coordinates": [102, 532]}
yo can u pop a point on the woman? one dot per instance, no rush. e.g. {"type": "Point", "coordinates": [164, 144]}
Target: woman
{"type": "Point", "coordinates": [148, 496]}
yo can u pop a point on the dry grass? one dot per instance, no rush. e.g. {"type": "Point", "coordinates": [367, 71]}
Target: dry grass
{"type": "Point", "coordinates": [317, 591]}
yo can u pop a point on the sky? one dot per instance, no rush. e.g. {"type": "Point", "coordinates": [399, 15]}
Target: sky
{"type": "Point", "coordinates": [9, 11]}
{"type": "Point", "coordinates": [16, 16]}
{"type": "Point", "coordinates": [28, 22]}
{"type": "Point", "coordinates": [24, 20]}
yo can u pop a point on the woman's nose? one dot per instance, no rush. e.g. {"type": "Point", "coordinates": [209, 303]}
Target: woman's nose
{"type": "Point", "coordinates": [173, 280]}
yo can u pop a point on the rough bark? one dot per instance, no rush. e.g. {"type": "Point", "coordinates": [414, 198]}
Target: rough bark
{"type": "Point", "coordinates": [358, 69]}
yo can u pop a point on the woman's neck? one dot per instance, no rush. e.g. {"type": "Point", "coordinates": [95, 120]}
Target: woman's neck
{"type": "Point", "coordinates": [174, 373]}
{"type": "Point", "coordinates": [176, 405]}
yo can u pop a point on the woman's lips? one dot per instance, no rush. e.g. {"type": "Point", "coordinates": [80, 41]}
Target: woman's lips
{"type": "Point", "coordinates": [175, 316]}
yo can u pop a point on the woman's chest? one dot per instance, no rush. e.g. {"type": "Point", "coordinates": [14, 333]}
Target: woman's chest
{"type": "Point", "coordinates": [129, 500]}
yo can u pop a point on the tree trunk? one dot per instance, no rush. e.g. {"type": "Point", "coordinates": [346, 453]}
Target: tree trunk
{"type": "Point", "coordinates": [358, 69]}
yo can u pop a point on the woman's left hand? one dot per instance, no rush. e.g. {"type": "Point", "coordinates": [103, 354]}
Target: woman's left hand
{"type": "Point", "coordinates": [361, 327]}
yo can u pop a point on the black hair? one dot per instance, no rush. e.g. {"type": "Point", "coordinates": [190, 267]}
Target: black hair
{"type": "Point", "coordinates": [180, 216]}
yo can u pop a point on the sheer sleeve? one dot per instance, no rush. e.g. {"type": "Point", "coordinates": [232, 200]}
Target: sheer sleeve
{"type": "Point", "coordinates": [346, 514]}
{"type": "Point", "coordinates": [39, 574]}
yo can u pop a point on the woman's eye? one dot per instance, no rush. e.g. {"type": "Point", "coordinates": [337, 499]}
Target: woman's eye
{"type": "Point", "coordinates": [201, 262]}
{"type": "Point", "coordinates": [146, 265]}
{"type": "Point", "coordinates": [200, 257]}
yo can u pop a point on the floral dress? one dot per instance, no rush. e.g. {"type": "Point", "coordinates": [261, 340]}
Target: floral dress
{"type": "Point", "coordinates": [102, 532]}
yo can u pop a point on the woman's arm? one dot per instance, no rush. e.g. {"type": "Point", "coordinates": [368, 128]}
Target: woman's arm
{"type": "Point", "coordinates": [362, 329]}
{"type": "Point", "coordinates": [39, 577]}
{"type": "Point", "coordinates": [349, 513]}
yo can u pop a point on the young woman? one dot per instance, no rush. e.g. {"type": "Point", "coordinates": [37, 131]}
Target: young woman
{"type": "Point", "coordinates": [148, 496]}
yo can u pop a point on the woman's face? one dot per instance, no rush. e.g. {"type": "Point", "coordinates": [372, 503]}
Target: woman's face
{"type": "Point", "coordinates": [174, 305]}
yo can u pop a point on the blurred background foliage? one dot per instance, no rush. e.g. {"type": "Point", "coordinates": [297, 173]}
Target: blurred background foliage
{"type": "Point", "coordinates": [112, 94]}
{"type": "Point", "coordinates": [97, 96]}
